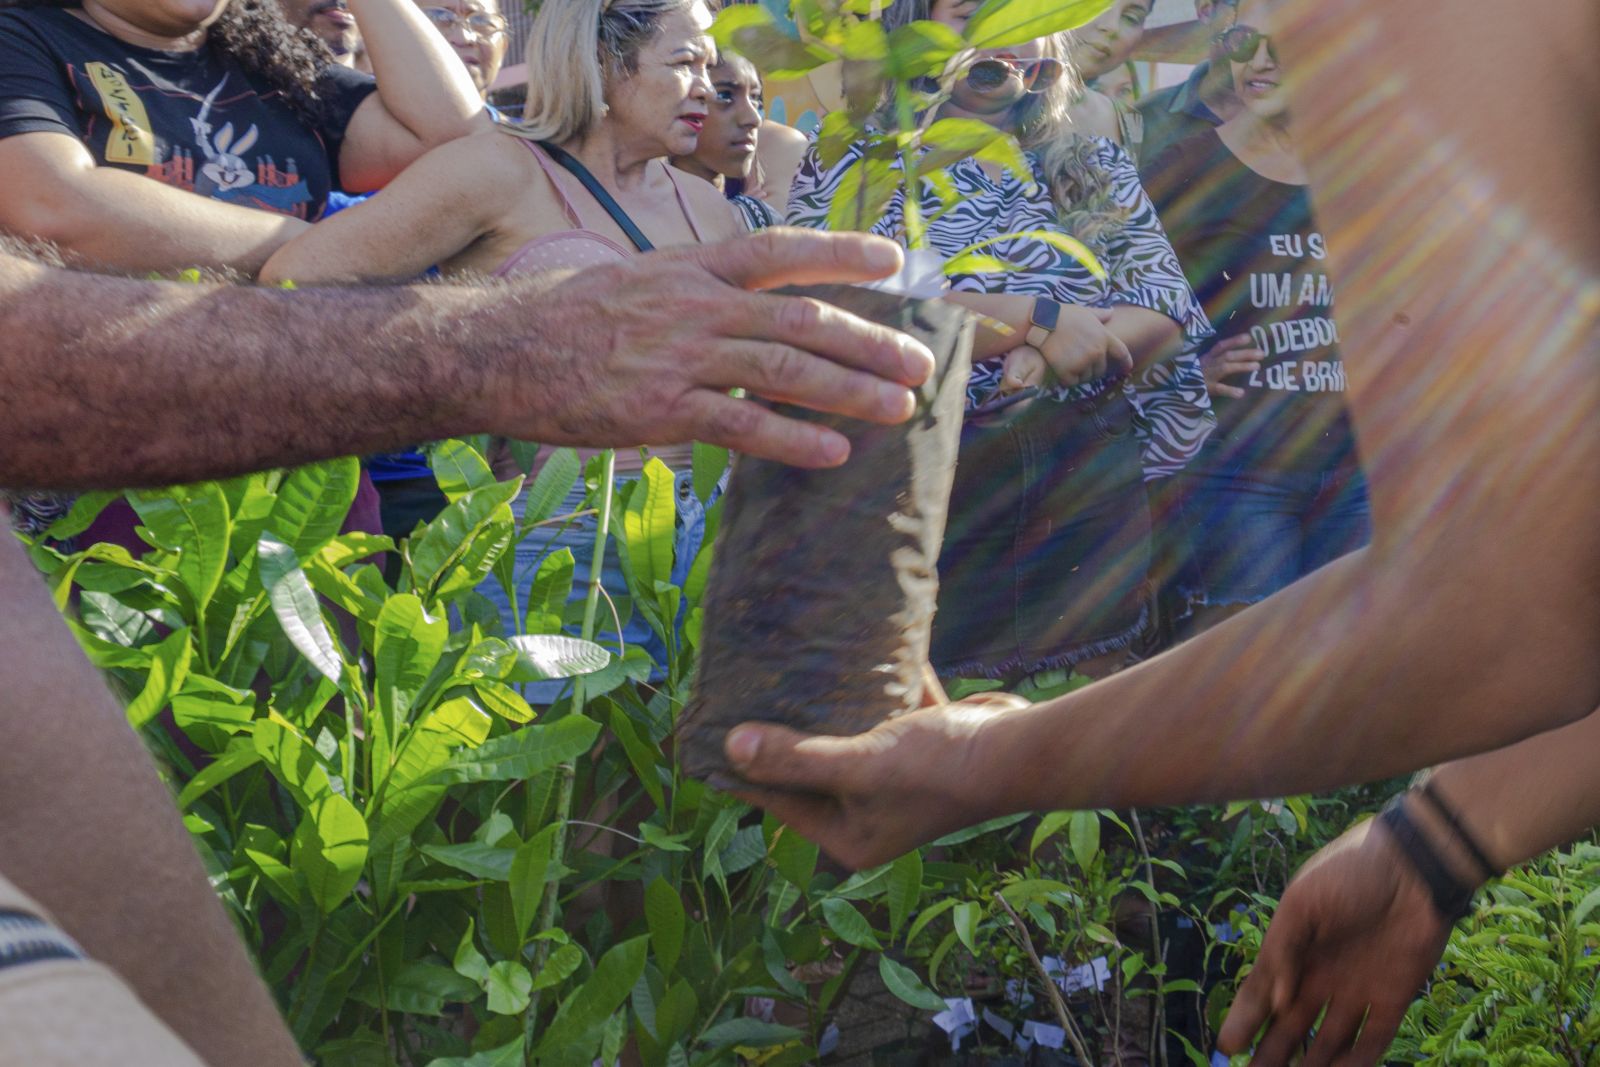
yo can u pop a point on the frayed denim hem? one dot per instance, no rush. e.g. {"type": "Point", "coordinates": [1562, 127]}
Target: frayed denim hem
{"type": "Point", "coordinates": [1061, 661]}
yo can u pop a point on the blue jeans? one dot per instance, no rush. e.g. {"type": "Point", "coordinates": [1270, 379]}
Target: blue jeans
{"type": "Point", "coordinates": [578, 535]}
{"type": "Point", "coordinates": [1252, 531]}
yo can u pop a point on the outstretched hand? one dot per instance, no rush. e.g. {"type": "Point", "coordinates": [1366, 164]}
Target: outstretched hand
{"type": "Point", "coordinates": [1356, 933]}
{"type": "Point", "coordinates": [645, 351]}
{"type": "Point", "coordinates": [870, 798]}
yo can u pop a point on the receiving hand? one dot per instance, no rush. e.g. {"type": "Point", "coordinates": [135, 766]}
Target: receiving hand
{"type": "Point", "coordinates": [1024, 367]}
{"type": "Point", "coordinates": [1082, 348]}
{"type": "Point", "coordinates": [1356, 933]}
{"type": "Point", "coordinates": [645, 351]}
{"type": "Point", "coordinates": [870, 798]}
{"type": "Point", "coordinates": [1229, 357]}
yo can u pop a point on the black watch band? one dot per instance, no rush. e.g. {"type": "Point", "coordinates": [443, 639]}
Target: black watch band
{"type": "Point", "coordinates": [1452, 898]}
{"type": "Point", "coordinates": [1042, 320]}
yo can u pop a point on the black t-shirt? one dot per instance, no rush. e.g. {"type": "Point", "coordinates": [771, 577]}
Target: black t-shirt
{"type": "Point", "coordinates": [194, 120]}
{"type": "Point", "coordinates": [1251, 249]}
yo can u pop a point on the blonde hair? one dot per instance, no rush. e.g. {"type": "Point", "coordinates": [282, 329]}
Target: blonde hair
{"type": "Point", "coordinates": [576, 49]}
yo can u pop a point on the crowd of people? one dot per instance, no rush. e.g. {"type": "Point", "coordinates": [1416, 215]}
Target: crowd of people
{"type": "Point", "coordinates": [1153, 442]}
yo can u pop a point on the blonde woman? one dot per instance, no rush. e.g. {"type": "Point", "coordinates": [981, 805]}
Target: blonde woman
{"type": "Point", "coordinates": [620, 86]}
{"type": "Point", "coordinates": [1045, 559]}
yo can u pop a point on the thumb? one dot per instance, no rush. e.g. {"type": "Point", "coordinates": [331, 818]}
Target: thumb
{"type": "Point", "coordinates": [768, 755]}
{"type": "Point", "coordinates": [787, 256]}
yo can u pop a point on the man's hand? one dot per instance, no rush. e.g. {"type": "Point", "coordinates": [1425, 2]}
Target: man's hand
{"type": "Point", "coordinates": [869, 798]}
{"type": "Point", "coordinates": [1356, 933]}
{"type": "Point", "coordinates": [1230, 356]}
{"type": "Point", "coordinates": [1081, 348]}
{"type": "Point", "coordinates": [646, 351]}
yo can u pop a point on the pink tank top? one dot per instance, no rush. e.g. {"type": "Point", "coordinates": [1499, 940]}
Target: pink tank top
{"type": "Point", "coordinates": [581, 246]}
{"type": "Point", "coordinates": [575, 249]}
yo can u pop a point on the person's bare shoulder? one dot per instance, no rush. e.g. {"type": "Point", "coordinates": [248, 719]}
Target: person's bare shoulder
{"type": "Point", "coordinates": [1093, 115]}
{"type": "Point", "coordinates": [779, 149]}
{"type": "Point", "coordinates": [711, 209]}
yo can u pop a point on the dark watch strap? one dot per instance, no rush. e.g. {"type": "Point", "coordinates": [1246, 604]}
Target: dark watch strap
{"type": "Point", "coordinates": [1486, 866]}
{"type": "Point", "coordinates": [1042, 320]}
{"type": "Point", "coordinates": [1452, 898]}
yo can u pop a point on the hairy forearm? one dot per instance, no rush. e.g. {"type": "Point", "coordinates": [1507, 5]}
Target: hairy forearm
{"type": "Point", "coordinates": [115, 383]}
{"type": "Point", "coordinates": [92, 834]}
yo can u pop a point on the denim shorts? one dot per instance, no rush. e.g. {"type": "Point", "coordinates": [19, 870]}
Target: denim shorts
{"type": "Point", "coordinates": [1251, 532]}
{"type": "Point", "coordinates": [579, 536]}
{"type": "Point", "coordinates": [1048, 545]}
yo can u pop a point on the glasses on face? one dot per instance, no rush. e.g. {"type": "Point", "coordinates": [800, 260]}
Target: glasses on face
{"type": "Point", "coordinates": [1241, 44]}
{"type": "Point", "coordinates": [480, 23]}
{"type": "Point", "coordinates": [1037, 75]}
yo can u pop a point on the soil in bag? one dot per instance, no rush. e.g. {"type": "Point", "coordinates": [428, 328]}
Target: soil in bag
{"type": "Point", "coordinates": [821, 595]}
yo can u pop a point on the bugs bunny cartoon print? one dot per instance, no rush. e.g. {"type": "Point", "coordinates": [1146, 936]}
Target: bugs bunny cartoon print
{"type": "Point", "coordinates": [224, 170]}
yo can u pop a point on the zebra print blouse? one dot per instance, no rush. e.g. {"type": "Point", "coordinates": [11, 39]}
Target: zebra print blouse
{"type": "Point", "coordinates": [1170, 398]}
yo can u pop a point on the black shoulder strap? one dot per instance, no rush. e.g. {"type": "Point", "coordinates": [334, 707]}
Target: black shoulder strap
{"type": "Point", "coordinates": [598, 191]}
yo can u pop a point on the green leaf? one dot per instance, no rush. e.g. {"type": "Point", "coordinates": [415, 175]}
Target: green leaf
{"type": "Point", "coordinates": [658, 838]}
{"type": "Point", "coordinates": [552, 485]}
{"type": "Point", "coordinates": [753, 1033]}
{"type": "Point", "coordinates": [509, 986]}
{"type": "Point", "coordinates": [239, 756]}
{"type": "Point", "coordinates": [588, 1008]}
{"type": "Point", "coordinates": [649, 527]}
{"type": "Point", "coordinates": [113, 620]}
{"type": "Point", "coordinates": [1048, 827]}
{"type": "Point", "coordinates": [1083, 836]}
{"type": "Point", "coordinates": [903, 982]}
{"type": "Point", "coordinates": [168, 669]}
{"type": "Point", "coordinates": [311, 504]}
{"type": "Point", "coordinates": [529, 868]}
{"type": "Point", "coordinates": [469, 962]}
{"type": "Point", "coordinates": [922, 49]}
{"type": "Point", "coordinates": [191, 521]}
{"type": "Point", "coordinates": [508, 1055]}
{"type": "Point", "coordinates": [1006, 23]}
{"type": "Point", "coordinates": [849, 924]}
{"type": "Point", "coordinates": [541, 657]}
{"type": "Point", "coordinates": [927, 915]}
{"type": "Point", "coordinates": [706, 469]}
{"type": "Point", "coordinates": [965, 917]}
{"type": "Point", "coordinates": [525, 752]}
{"type": "Point", "coordinates": [795, 858]}
{"type": "Point", "coordinates": [475, 858]}
{"type": "Point", "coordinates": [293, 761]}
{"type": "Point", "coordinates": [864, 192]}
{"type": "Point", "coordinates": [549, 592]}
{"type": "Point", "coordinates": [407, 646]}
{"type": "Point", "coordinates": [562, 964]}
{"type": "Point", "coordinates": [751, 31]}
{"type": "Point", "coordinates": [459, 468]}
{"type": "Point", "coordinates": [644, 757]}
{"type": "Point", "coordinates": [504, 701]}
{"type": "Point", "coordinates": [447, 552]}
{"type": "Point", "coordinates": [904, 889]}
{"type": "Point", "coordinates": [977, 263]}
{"type": "Point", "coordinates": [85, 509]}
{"type": "Point", "coordinates": [1002, 823]}
{"type": "Point", "coordinates": [330, 848]}
{"type": "Point", "coordinates": [425, 988]}
{"type": "Point", "coordinates": [296, 607]}
{"type": "Point", "coordinates": [1069, 246]}
{"type": "Point", "coordinates": [665, 916]}
{"type": "Point", "coordinates": [747, 849]}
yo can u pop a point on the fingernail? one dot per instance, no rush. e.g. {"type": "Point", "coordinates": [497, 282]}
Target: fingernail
{"type": "Point", "coordinates": [917, 361]}
{"type": "Point", "coordinates": [881, 255]}
{"type": "Point", "coordinates": [895, 401]}
{"type": "Point", "coordinates": [832, 448]}
{"type": "Point", "coordinates": [742, 745]}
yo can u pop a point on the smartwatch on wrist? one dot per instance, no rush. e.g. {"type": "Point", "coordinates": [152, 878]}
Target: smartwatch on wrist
{"type": "Point", "coordinates": [1042, 321]}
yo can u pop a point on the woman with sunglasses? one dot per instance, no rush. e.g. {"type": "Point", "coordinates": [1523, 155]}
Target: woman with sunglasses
{"type": "Point", "coordinates": [1278, 491]}
{"type": "Point", "coordinates": [1044, 560]}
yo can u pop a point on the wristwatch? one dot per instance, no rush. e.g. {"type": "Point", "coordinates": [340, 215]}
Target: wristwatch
{"type": "Point", "coordinates": [1043, 318]}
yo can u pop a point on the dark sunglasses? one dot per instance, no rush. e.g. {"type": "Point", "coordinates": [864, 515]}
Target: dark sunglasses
{"type": "Point", "coordinates": [1037, 75]}
{"type": "Point", "coordinates": [1241, 43]}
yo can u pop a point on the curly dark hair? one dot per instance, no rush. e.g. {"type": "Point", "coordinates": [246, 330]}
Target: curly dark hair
{"type": "Point", "coordinates": [254, 34]}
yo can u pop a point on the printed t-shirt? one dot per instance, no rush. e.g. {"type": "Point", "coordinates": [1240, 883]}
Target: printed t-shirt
{"type": "Point", "coordinates": [1251, 248]}
{"type": "Point", "coordinates": [194, 120]}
